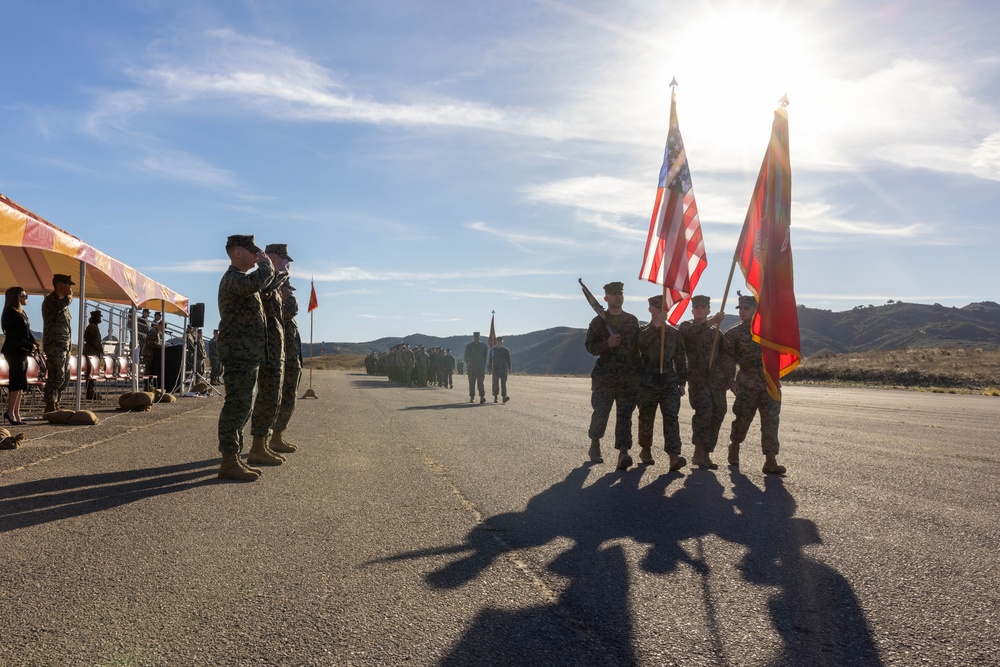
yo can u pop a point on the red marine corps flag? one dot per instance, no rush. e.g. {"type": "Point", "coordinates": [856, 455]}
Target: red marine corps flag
{"type": "Point", "coordinates": [764, 253]}
{"type": "Point", "coordinates": [675, 250]}
{"type": "Point", "coordinates": [313, 302]}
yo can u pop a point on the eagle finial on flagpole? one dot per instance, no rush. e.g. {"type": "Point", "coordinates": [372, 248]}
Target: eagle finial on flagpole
{"type": "Point", "coordinates": [783, 101]}
{"type": "Point", "coordinates": [673, 82]}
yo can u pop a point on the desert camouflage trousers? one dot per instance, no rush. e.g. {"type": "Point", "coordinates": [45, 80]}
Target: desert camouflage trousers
{"type": "Point", "coordinates": [240, 381]}
{"type": "Point", "coordinates": [57, 374]}
{"type": "Point", "coordinates": [477, 378]}
{"type": "Point", "coordinates": [289, 387]}
{"type": "Point", "coordinates": [621, 391]}
{"type": "Point", "coordinates": [666, 398]}
{"type": "Point", "coordinates": [749, 402]}
{"type": "Point", "coordinates": [499, 384]}
{"type": "Point", "coordinates": [265, 407]}
{"type": "Point", "coordinates": [709, 404]}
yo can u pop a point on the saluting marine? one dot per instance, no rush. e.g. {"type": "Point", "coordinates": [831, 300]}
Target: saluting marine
{"type": "Point", "coordinates": [56, 336]}
{"type": "Point", "coordinates": [242, 347]}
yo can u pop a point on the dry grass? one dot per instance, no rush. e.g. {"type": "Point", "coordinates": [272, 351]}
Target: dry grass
{"type": "Point", "coordinates": [337, 362]}
{"type": "Point", "coordinates": [951, 370]}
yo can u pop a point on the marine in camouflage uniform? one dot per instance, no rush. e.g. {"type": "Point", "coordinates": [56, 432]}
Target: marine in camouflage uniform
{"type": "Point", "coordinates": [242, 343]}
{"type": "Point", "coordinates": [421, 365]}
{"type": "Point", "coordinates": [213, 358]}
{"type": "Point", "coordinates": [615, 379]}
{"type": "Point", "coordinates": [500, 366]}
{"type": "Point", "coordinates": [661, 390]}
{"type": "Point", "coordinates": [750, 387]}
{"type": "Point", "coordinates": [475, 362]}
{"type": "Point", "coordinates": [449, 368]}
{"type": "Point", "coordinates": [706, 386]}
{"type": "Point", "coordinates": [272, 369]}
{"type": "Point", "coordinates": [92, 346]}
{"type": "Point", "coordinates": [56, 336]}
{"type": "Point", "coordinates": [293, 370]}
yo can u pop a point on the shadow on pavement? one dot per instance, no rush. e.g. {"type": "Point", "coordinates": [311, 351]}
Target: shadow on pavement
{"type": "Point", "coordinates": [814, 611]}
{"type": "Point", "coordinates": [34, 503]}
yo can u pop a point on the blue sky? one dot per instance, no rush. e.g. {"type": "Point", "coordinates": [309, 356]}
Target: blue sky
{"type": "Point", "coordinates": [430, 162]}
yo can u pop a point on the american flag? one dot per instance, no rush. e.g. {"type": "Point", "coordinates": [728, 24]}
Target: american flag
{"type": "Point", "coordinates": [675, 249]}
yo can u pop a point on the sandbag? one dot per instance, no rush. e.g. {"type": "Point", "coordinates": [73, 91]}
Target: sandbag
{"type": "Point", "coordinates": [74, 417]}
{"type": "Point", "coordinates": [8, 441]}
{"type": "Point", "coordinates": [138, 402]}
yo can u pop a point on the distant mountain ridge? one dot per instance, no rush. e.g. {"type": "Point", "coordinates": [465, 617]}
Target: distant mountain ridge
{"type": "Point", "coordinates": [895, 325]}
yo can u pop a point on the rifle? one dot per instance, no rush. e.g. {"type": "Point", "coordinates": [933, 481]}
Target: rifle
{"type": "Point", "coordinates": [598, 308]}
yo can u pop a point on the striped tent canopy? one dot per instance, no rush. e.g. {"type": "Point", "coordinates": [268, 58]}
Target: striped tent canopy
{"type": "Point", "coordinates": [33, 250]}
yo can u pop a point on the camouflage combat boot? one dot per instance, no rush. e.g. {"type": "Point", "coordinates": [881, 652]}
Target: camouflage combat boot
{"type": "Point", "coordinates": [677, 462]}
{"type": "Point", "coordinates": [646, 456]}
{"type": "Point", "coordinates": [624, 460]}
{"type": "Point", "coordinates": [771, 465]}
{"type": "Point", "coordinates": [231, 468]}
{"type": "Point", "coordinates": [734, 453]}
{"type": "Point", "coordinates": [702, 460]}
{"type": "Point", "coordinates": [595, 451]}
{"type": "Point", "coordinates": [259, 454]}
{"type": "Point", "coordinates": [277, 444]}
{"type": "Point", "coordinates": [243, 464]}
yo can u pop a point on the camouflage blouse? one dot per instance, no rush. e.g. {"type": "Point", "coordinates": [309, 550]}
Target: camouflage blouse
{"type": "Point", "coordinates": [242, 333]}
{"type": "Point", "coordinates": [742, 350]}
{"type": "Point", "coordinates": [56, 321]}
{"type": "Point", "coordinates": [614, 360]}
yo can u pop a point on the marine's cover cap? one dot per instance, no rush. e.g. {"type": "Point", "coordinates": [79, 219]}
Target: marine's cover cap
{"type": "Point", "coordinates": [748, 300]}
{"type": "Point", "coordinates": [62, 278]}
{"type": "Point", "coordinates": [279, 249]}
{"type": "Point", "coordinates": [701, 301]}
{"type": "Point", "coordinates": [243, 241]}
{"type": "Point", "coordinates": [656, 301]}
{"type": "Point", "coordinates": [614, 288]}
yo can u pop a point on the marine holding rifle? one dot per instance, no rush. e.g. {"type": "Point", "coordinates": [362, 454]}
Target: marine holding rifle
{"type": "Point", "coordinates": [613, 338]}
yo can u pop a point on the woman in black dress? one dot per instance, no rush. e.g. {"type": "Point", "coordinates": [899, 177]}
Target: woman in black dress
{"type": "Point", "coordinates": [17, 345]}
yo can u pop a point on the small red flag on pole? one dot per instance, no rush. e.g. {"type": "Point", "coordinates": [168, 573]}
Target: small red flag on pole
{"type": "Point", "coordinates": [313, 305]}
{"type": "Point", "coordinates": [313, 301]}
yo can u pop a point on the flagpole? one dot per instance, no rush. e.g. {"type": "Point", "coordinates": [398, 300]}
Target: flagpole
{"type": "Point", "coordinates": [309, 392]}
{"type": "Point", "coordinates": [718, 328]}
{"type": "Point", "coordinates": [663, 329]}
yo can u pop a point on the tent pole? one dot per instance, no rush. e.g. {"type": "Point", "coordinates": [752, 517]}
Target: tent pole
{"type": "Point", "coordinates": [82, 298]}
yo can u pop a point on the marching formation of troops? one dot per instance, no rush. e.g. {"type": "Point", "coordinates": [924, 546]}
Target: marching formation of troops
{"type": "Point", "coordinates": [414, 367]}
{"type": "Point", "coordinates": [649, 367]}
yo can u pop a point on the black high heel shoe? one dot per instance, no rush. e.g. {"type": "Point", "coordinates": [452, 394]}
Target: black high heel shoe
{"type": "Point", "coordinates": [13, 422]}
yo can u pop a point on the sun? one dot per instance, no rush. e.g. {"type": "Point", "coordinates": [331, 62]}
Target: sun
{"type": "Point", "coordinates": [733, 66]}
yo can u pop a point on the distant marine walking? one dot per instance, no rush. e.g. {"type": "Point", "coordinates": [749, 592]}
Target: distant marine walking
{"type": "Point", "coordinates": [475, 364]}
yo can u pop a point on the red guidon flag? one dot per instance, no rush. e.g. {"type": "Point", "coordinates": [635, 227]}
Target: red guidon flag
{"type": "Point", "coordinates": [493, 332]}
{"type": "Point", "coordinates": [764, 252]}
{"type": "Point", "coordinates": [675, 249]}
{"type": "Point", "coordinates": [313, 301]}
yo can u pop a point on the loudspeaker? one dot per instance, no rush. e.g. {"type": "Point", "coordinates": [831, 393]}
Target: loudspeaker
{"type": "Point", "coordinates": [197, 315]}
{"type": "Point", "coordinates": [173, 364]}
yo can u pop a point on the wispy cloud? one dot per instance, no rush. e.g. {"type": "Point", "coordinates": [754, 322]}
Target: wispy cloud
{"type": "Point", "coordinates": [507, 292]}
{"type": "Point", "coordinates": [520, 239]}
{"type": "Point", "coordinates": [184, 167]}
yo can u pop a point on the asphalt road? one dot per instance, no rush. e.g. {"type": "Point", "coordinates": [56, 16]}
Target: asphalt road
{"type": "Point", "coordinates": [413, 528]}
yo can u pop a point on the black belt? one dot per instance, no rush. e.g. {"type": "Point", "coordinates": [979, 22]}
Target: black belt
{"type": "Point", "coordinates": [618, 358]}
